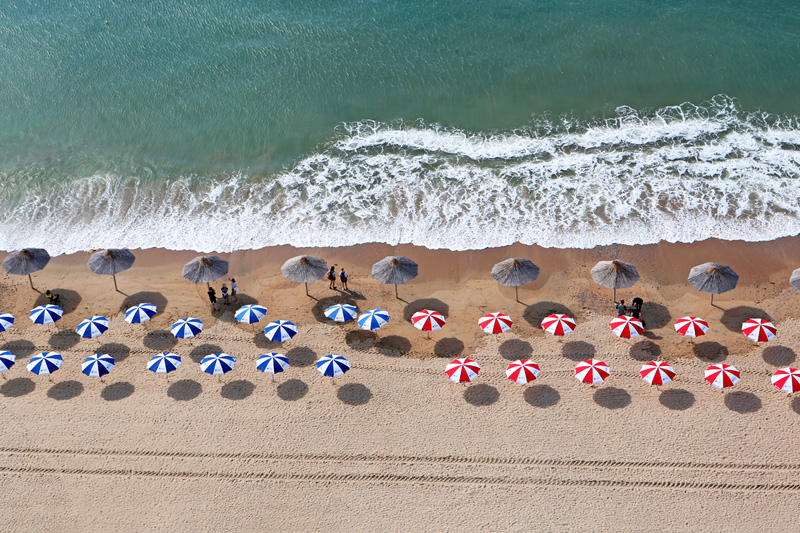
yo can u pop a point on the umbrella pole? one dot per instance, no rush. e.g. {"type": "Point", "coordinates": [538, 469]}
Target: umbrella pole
{"type": "Point", "coordinates": [615, 295]}
{"type": "Point", "coordinates": [114, 276]}
{"type": "Point", "coordinates": [307, 289]}
{"type": "Point", "coordinates": [516, 293]}
{"type": "Point", "coordinates": [395, 291]}
{"type": "Point", "coordinates": [31, 280]}
{"type": "Point", "coordinates": [712, 299]}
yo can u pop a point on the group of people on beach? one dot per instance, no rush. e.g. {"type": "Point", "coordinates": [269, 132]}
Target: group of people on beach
{"type": "Point", "coordinates": [634, 311]}
{"type": "Point", "coordinates": [226, 294]}
{"type": "Point", "coordinates": [342, 278]}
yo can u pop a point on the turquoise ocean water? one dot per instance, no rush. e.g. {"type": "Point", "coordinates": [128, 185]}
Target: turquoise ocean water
{"type": "Point", "coordinates": [235, 124]}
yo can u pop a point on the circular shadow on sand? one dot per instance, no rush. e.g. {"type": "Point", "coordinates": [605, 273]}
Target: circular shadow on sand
{"type": "Point", "coordinates": [237, 390]}
{"type": "Point", "coordinates": [742, 402]}
{"type": "Point", "coordinates": [448, 347]}
{"type": "Point", "coordinates": [796, 405]}
{"type": "Point", "coordinates": [612, 398]}
{"type": "Point", "coordinates": [393, 345]}
{"type": "Point", "coordinates": [118, 351]}
{"type": "Point", "coordinates": [184, 390]}
{"type": "Point", "coordinates": [64, 340]}
{"type": "Point", "coordinates": [301, 356]}
{"type": "Point", "coordinates": [161, 339]}
{"type": "Point", "coordinates": [732, 318]}
{"type": "Point", "coordinates": [20, 348]}
{"type": "Point", "coordinates": [117, 391]}
{"type": "Point", "coordinates": [360, 339]}
{"type": "Point", "coordinates": [578, 350]}
{"type": "Point", "coordinates": [481, 395]}
{"type": "Point", "coordinates": [144, 297]}
{"type": "Point", "coordinates": [292, 390]}
{"type": "Point", "coordinates": [354, 394]}
{"type": "Point", "coordinates": [645, 351]}
{"type": "Point", "coordinates": [541, 396]}
{"type": "Point", "coordinates": [710, 352]}
{"type": "Point", "coordinates": [778, 355]}
{"type": "Point", "coordinates": [263, 343]}
{"type": "Point", "coordinates": [198, 352]}
{"type": "Point", "coordinates": [66, 390]}
{"type": "Point", "coordinates": [655, 315]}
{"type": "Point", "coordinates": [433, 304]}
{"type": "Point", "coordinates": [514, 349]}
{"type": "Point", "coordinates": [319, 308]}
{"type": "Point", "coordinates": [17, 387]}
{"type": "Point", "coordinates": [68, 303]}
{"type": "Point", "coordinates": [534, 314]}
{"type": "Point", "coordinates": [676, 399]}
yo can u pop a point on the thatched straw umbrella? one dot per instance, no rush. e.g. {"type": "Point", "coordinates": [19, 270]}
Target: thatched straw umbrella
{"type": "Point", "coordinates": [26, 261]}
{"type": "Point", "coordinates": [794, 281]}
{"type": "Point", "coordinates": [111, 262]}
{"type": "Point", "coordinates": [615, 275]}
{"type": "Point", "coordinates": [515, 273]}
{"type": "Point", "coordinates": [395, 270]}
{"type": "Point", "coordinates": [205, 269]}
{"type": "Point", "coordinates": [304, 268]}
{"type": "Point", "coordinates": [713, 278]}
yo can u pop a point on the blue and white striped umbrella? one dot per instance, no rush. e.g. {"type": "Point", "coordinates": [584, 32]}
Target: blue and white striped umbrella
{"type": "Point", "coordinates": [250, 314]}
{"type": "Point", "coordinates": [341, 312]}
{"type": "Point", "coordinates": [45, 363]}
{"type": "Point", "coordinates": [7, 360]}
{"type": "Point", "coordinates": [333, 365]}
{"type": "Point", "coordinates": [186, 327]}
{"type": "Point", "coordinates": [280, 330]}
{"type": "Point", "coordinates": [140, 313]}
{"type": "Point", "coordinates": [373, 319]}
{"type": "Point", "coordinates": [217, 363]}
{"type": "Point", "coordinates": [97, 365]}
{"type": "Point", "coordinates": [46, 314]}
{"type": "Point", "coordinates": [92, 327]}
{"type": "Point", "coordinates": [6, 321]}
{"type": "Point", "coordinates": [272, 363]}
{"type": "Point", "coordinates": [164, 363]}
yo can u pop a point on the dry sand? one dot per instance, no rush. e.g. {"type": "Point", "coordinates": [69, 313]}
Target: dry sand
{"type": "Point", "coordinates": [393, 445]}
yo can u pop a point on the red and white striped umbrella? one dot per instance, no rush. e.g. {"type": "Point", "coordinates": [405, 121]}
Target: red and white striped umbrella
{"type": "Point", "coordinates": [691, 326]}
{"type": "Point", "coordinates": [758, 329]}
{"type": "Point", "coordinates": [462, 370]}
{"type": "Point", "coordinates": [523, 371]}
{"type": "Point", "coordinates": [558, 324]}
{"type": "Point", "coordinates": [592, 371]}
{"type": "Point", "coordinates": [722, 375]}
{"type": "Point", "coordinates": [657, 373]}
{"type": "Point", "coordinates": [427, 320]}
{"type": "Point", "coordinates": [626, 327]}
{"type": "Point", "coordinates": [787, 379]}
{"type": "Point", "coordinates": [495, 323]}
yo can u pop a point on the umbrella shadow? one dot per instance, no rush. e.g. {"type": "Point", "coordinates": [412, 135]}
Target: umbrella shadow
{"type": "Point", "coordinates": [117, 350]}
{"type": "Point", "coordinates": [318, 310]}
{"type": "Point", "coordinates": [354, 394]}
{"type": "Point", "coordinates": [795, 404]}
{"type": "Point", "coordinates": [655, 315]}
{"type": "Point", "coordinates": [66, 390]}
{"type": "Point", "coordinates": [64, 340]}
{"type": "Point", "coordinates": [732, 318]}
{"type": "Point", "coordinates": [237, 390]}
{"type": "Point", "coordinates": [448, 347]}
{"type": "Point", "coordinates": [534, 314]}
{"type": "Point", "coordinates": [355, 295]}
{"type": "Point", "coordinates": [481, 395]}
{"type": "Point", "coordinates": [676, 399]}
{"type": "Point", "coordinates": [360, 339]}
{"type": "Point", "coordinates": [144, 297]}
{"type": "Point", "coordinates": [17, 387]}
{"type": "Point", "coordinates": [778, 355]}
{"type": "Point", "coordinates": [393, 345]}
{"type": "Point", "coordinates": [514, 349]}
{"type": "Point", "coordinates": [433, 304]}
{"type": "Point", "coordinates": [612, 398]}
{"type": "Point", "coordinates": [302, 356]}
{"type": "Point", "coordinates": [578, 350]}
{"type": "Point", "coordinates": [262, 342]}
{"type": "Point", "coordinates": [184, 390]}
{"type": "Point", "coordinates": [742, 402]}
{"type": "Point", "coordinates": [68, 300]}
{"type": "Point", "coordinates": [645, 351]}
{"type": "Point", "coordinates": [710, 352]}
{"type": "Point", "coordinates": [21, 348]}
{"type": "Point", "coordinates": [292, 390]}
{"type": "Point", "coordinates": [542, 396]}
{"type": "Point", "coordinates": [161, 339]}
{"type": "Point", "coordinates": [117, 391]}
{"type": "Point", "coordinates": [198, 352]}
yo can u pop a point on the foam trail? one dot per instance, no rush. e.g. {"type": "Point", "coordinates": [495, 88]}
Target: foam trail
{"type": "Point", "coordinates": [680, 174]}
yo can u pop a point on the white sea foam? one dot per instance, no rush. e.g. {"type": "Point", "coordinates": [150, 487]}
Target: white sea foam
{"type": "Point", "coordinates": [683, 173]}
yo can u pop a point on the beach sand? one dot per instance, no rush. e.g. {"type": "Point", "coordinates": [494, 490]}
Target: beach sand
{"type": "Point", "coordinates": [393, 445]}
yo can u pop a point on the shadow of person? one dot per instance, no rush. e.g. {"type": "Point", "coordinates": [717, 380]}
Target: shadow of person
{"type": "Point", "coordinates": [301, 356]}
{"type": "Point", "coordinates": [184, 390]}
{"type": "Point", "coordinates": [778, 355]}
{"type": "Point", "coordinates": [655, 315]}
{"type": "Point", "coordinates": [117, 350]}
{"type": "Point", "coordinates": [393, 345]}
{"type": "Point", "coordinates": [534, 314]}
{"type": "Point", "coordinates": [198, 352]}
{"type": "Point", "coordinates": [144, 297]}
{"type": "Point", "coordinates": [732, 318]}
{"type": "Point", "coordinates": [432, 304]}
{"type": "Point", "coordinates": [66, 390]}
{"type": "Point", "coordinates": [354, 394]}
{"type": "Point", "coordinates": [237, 390]}
{"type": "Point", "coordinates": [541, 396]}
{"type": "Point", "coordinates": [481, 395]}
{"type": "Point", "coordinates": [514, 349]}
{"type": "Point", "coordinates": [318, 310]}
{"type": "Point", "coordinates": [448, 347]}
{"type": "Point", "coordinates": [676, 399]}
{"type": "Point", "coordinates": [710, 352]}
{"type": "Point", "coordinates": [612, 398]}
{"type": "Point", "coordinates": [17, 387]}
{"type": "Point", "coordinates": [68, 299]}
{"type": "Point", "coordinates": [360, 339]}
{"type": "Point", "coordinates": [117, 391]}
{"type": "Point", "coordinates": [64, 339]}
{"type": "Point", "coordinates": [292, 390]}
{"type": "Point", "coordinates": [742, 402]}
{"type": "Point", "coordinates": [161, 339]}
{"type": "Point", "coordinates": [21, 348]}
{"type": "Point", "coordinates": [645, 351]}
{"type": "Point", "coordinates": [578, 350]}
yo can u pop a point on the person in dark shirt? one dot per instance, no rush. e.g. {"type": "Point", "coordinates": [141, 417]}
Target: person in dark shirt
{"type": "Point", "coordinates": [621, 309]}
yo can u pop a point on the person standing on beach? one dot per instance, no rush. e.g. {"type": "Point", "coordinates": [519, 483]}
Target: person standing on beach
{"type": "Point", "coordinates": [332, 277]}
{"type": "Point", "coordinates": [343, 279]}
{"type": "Point", "coordinates": [224, 291]}
{"type": "Point", "coordinates": [212, 297]}
{"type": "Point", "coordinates": [234, 290]}
{"type": "Point", "coordinates": [621, 309]}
